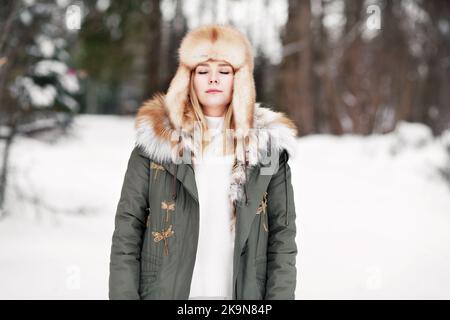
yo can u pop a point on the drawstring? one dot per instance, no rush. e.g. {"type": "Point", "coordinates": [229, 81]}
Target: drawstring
{"type": "Point", "coordinates": [286, 188]}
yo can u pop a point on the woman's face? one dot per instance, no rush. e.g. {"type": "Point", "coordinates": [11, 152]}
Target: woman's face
{"type": "Point", "coordinates": [213, 84]}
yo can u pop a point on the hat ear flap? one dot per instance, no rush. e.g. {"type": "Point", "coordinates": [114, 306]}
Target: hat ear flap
{"type": "Point", "coordinates": [177, 94]}
{"type": "Point", "coordinates": [243, 98]}
{"type": "Point", "coordinates": [243, 102]}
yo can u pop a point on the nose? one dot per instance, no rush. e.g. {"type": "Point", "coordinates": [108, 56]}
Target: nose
{"type": "Point", "coordinates": [213, 79]}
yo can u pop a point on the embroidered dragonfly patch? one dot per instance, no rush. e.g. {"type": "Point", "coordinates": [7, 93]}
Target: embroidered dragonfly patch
{"type": "Point", "coordinates": [156, 167]}
{"type": "Point", "coordinates": [168, 207]}
{"type": "Point", "coordinates": [158, 236]}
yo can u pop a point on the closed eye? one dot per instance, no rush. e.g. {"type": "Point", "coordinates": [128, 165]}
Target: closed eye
{"type": "Point", "coordinates": [222, 72]}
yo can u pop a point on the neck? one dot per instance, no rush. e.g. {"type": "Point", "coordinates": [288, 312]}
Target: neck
{"type": "Point", "coordinates": [214, 111]}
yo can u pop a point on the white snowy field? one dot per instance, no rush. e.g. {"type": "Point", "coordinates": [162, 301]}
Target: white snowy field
{"type": "Point", "coordinates": [373, 214]}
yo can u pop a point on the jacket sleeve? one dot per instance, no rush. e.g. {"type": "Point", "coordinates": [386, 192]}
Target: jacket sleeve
{"type": "Point", "coordinates": [282, 248]}
{"type": "Point", "coordinates": [129, 228]}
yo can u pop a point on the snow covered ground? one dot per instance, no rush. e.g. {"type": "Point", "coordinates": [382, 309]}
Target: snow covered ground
{"type": "Point", "coordinates": [373, 215]}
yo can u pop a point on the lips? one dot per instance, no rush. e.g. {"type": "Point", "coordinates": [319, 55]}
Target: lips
{"type": "Point", "coordinates": [213, 91]}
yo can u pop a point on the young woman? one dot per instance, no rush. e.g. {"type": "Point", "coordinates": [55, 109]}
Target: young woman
{"type": "Point", "coordinates": [207, 208]}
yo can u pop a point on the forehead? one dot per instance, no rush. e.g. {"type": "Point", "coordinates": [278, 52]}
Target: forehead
{"type": "Point", "coordinates": [211, 63]}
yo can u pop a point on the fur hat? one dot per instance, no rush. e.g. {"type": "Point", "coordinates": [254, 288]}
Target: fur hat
{"type": "Point", "coordinates": [217, 42]}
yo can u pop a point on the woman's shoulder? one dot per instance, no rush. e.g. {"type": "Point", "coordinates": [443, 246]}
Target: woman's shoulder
{"type": "Point", "coordinates": [277, 133]}
{"type": "Point", "coordinates": [154, 130]}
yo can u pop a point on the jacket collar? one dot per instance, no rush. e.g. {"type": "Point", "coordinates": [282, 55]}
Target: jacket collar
{"type": "Point", "coordinates": [157, 138]}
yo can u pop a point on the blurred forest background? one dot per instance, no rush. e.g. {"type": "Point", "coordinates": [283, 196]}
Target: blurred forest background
{"type": "Point", "coordinates": [366, 81]}
{"type": "Point", "coordinates": [334, 66]}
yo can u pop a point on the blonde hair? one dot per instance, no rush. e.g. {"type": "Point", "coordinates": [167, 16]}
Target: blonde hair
{"type": "Point", "coordinates": [228, 124]}
{"type": "Point", "coordinates": [200, 117]}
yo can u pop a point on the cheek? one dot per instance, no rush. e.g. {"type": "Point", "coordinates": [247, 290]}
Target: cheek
{"type": "Point", "coordinates": [229, 84]}
{"type": "Point", "coordinates": [199, 84]}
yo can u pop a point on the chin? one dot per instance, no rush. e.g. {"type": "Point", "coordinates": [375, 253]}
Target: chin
{"type": "Point", "coordinates": [215, 102]}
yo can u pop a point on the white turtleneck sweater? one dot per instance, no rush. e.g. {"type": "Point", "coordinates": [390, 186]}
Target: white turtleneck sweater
{"type": "Point", "coordinates": [213, 270]}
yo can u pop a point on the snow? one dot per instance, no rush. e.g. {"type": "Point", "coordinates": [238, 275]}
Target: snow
{"type": "Point", "coordinates": [46, 67]}
{"type": "Point", "coordinates": [46, 46]}
{"type": "Point", "coordinates": [5, 131]}
{"type": "Point", "coordinates": [44, 96]}
{"type": "Point", "coordinates": [103, 5]}
{"type": "Point", "coordinates": [40, 96]}
{"type": "Point", "coordinates": [26, 17]}
{"type": "Point", "coordinates": [69, 82]}
{"type": "Point", "coordinates": [63, 3]}
{"type": "Point", "coordinates": [43, 254]}
{"type": "Point", "coordinates": [413, 135]}
{"type": "Point", "coordinates": [372, 217]}
{"type": "Point", "coordinates": [372, 225]}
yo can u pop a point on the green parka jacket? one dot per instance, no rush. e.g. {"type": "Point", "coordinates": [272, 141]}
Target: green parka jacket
{"type": "Point", "coordinates": [157, 219]}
